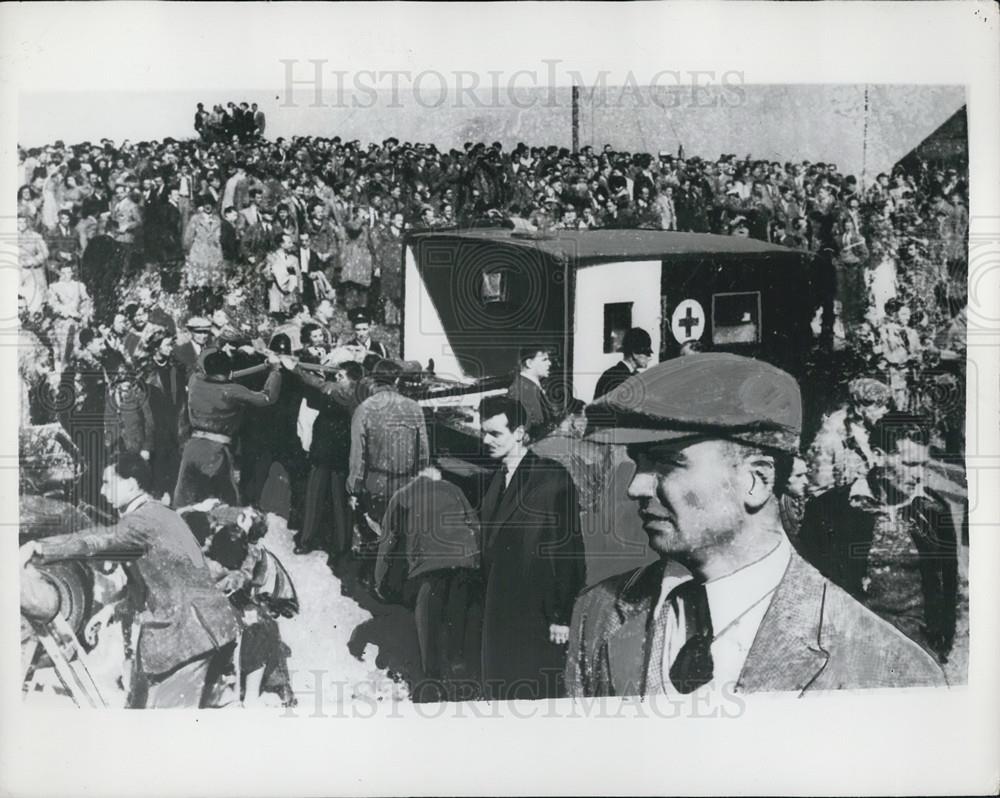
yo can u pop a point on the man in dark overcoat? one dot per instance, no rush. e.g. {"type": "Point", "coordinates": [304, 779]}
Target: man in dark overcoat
{"type": "Point", "coordinates": [533, 560]}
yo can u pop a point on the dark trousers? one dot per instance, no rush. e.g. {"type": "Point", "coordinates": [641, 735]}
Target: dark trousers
{"type": "Point", "coordinates": [165, 463]}
{"type": "Point", "coordinates": [195, 483]}
{"type": "Point", "coordinates": [448, 613]}
{"type": "Point", "coordinates": [326, 517]}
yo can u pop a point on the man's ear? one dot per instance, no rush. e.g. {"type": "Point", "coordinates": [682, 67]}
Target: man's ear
{"type": "Point", "coordinates": [760, 473]}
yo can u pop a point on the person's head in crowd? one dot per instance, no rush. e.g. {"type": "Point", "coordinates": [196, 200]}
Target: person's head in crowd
{"type": "Point", "coordinates": [312, 335]}
{"type": "Point", "coordinates": [229, 214]}
{"type": "Point", "coordinates": [120, 191]}
{"type": "Point", "coordinates": [91, 341]}
{"type": "Point", "coordinates": [868, 400]}
{"type": "Point", "coordinates": [287, 242]}
{"type": "Point", "coordinates": [200, 329]}
{"type": "Point", "coordinates": [137, 315]}
{"type": "Point", "coordinates": [67, 271]}
{"type": "Point", "coordinates": [22, 224]}
{"type": "Point", "coordinates": [637, 347]}
{"type": "Point", "coordinates": [161, 347]}
{"type": "Point", "coordinates": [349, 373]}
{"type": "Point", "coordinates": [798, 479]}
{"type": "Point", "coordinates": [218, 365]}
{"type": "Point", "coordinates": [206, 204]}
{"type": "Point", "coordinates": [386, 373]}
{"type": "Point", "coordinates": [281, 344]}
{"type": "Point", "coordinates": [324, 312]}
{"type": "Point", "coordinates": [362, 325]}
{"type": "Point", "coordinates": [119, 324]}
{"type": "Point", "coordinates": [65, 217]}
{"type": "Point", "coordinates": [534, 361]}
{"type": "Point", "coordinates": [298, 313]}
{"type": "Point", "coordinates": [902, 445]}
{"type": "Point", "coordinates": [504, 425]}
{"type": "Point", "coordinates": [126, 479]}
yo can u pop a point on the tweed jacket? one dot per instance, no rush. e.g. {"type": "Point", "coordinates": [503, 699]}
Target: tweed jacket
{"type": "Point", "coordinates": [814, 636]}
{"type": "Point", "coordinates": [181, 615]}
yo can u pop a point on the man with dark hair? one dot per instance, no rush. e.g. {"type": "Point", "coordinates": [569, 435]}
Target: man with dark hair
{"type": "Point", "coordinates": [637, 349]}
{"type": "Point", "coordinates": [534, 363]}
{"type": "Point", "coordinates": [729, 606]}
{"type": "Point", "coordinates": [889, 540]}
{"type": "Point", "coordinates": [186, 626]}
{"type": "Point", "coordinates": [215, 409]}
{"type": "Point", "coordinates": [533, 560]}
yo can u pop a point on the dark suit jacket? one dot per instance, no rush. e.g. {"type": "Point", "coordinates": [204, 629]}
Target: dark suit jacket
{"type": "Point", "coordinates": [535, 402]}
{"type": "Point", "coordinates": [814, 636]}
{"type": "Point", "coordinates": [534, 567]}
{"type": "Point", "coordinates": [612, 378]}
{"type": "Point", "coordinates": [181, 615]}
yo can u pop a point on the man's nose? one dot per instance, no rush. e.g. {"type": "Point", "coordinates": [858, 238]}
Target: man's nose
{"type": "Point", "coordinates": [642, 486]}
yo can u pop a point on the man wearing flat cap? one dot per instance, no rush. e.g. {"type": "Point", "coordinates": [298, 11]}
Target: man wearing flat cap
{"type": "Point", "coordinates": [729, 606]}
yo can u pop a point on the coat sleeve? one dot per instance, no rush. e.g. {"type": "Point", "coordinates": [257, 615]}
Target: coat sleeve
{"type": "Point", "coordinates": [124, 540]}
{"type": "Point", "coordinates": [356, 471]}
{"type": "Point", "coordinates": [265, 397]}
{"type": "Point", "coordinates": [564, 554]}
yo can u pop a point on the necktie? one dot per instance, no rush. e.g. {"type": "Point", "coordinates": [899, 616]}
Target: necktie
{"type": "Point", "coordinates": [693, 666]}
{"type": "Point", "coordinates": [502, 472]}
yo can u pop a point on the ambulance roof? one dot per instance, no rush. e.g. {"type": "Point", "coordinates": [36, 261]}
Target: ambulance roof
{"type": "Point", "coordinates": [589, 246]}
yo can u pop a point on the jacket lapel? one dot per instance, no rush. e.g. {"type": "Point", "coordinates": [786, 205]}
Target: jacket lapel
{"type": "Point", "coordinates": [521, 486]}
{"type": "Point", "coordinates": [628, 644]}
{"type": "Point", "coordinates": [786, 654]}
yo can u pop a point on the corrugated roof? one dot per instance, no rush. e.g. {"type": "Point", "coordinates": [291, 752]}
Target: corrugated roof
{"type": "Point", "coordinates": [602, 245]}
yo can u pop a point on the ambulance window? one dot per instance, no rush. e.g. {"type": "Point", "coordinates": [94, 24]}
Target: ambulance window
{"type": "Point", "coordinates": [736, 318]}
{"type": "Point", "coordinates": [617, 320]}
{"type": "Point", "coordinates": [494, 288]}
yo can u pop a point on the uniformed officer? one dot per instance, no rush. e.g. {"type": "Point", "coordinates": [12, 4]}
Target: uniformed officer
{"type": "Point", "coordinates": [362, 339]}
{"type": "Point", "coordinates": [216, 406]}
{"type": "Point", "coordinates": [729, 606]}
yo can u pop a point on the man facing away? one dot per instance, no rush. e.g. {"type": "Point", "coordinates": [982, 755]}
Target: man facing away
{"type": "Point", "coordinates": [729, 606]}
{"type": "Point", "coordinates": [185, 624]}
{"type": "Point", "coordinates": [215, 407]}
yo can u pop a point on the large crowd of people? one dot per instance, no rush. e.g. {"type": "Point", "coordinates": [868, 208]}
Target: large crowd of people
{"type": "Point", "coordinates": [198, 315]}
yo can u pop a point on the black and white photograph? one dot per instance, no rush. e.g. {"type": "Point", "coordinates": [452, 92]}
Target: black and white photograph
{"type": "Point", "coordinates": [402, 383]}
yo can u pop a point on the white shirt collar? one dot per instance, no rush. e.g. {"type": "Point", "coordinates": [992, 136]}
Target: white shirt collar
{"type": "Point", "coordinates": [732, 595]}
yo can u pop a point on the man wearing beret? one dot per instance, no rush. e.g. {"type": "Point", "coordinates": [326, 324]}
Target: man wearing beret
{"type": "Point", "coordinates": [729, 606]}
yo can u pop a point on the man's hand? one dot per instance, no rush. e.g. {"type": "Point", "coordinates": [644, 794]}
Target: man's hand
{"type": "Point", "coordinates": [352, 502]}
{"type": "Point", "coordinates": [273, 360]}
{"type": "Point", "coordinates": [558, 634]}
{"type": "Point", "coordinates": [144, 454]}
